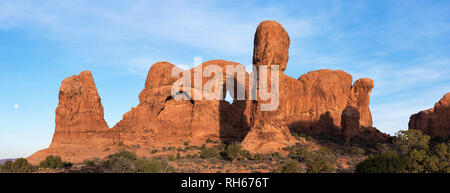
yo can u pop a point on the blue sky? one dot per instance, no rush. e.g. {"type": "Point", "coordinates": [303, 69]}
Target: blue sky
{"type": "Point", "coordinates": [403, 45]}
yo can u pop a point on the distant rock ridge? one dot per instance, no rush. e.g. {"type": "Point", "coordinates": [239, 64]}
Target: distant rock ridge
{"type": "Point", "coordinates": [5, 160]}
{"type": "Point", "coordinates": [434, 122]}
{"type": "Point", "coordinates": [319, 102]}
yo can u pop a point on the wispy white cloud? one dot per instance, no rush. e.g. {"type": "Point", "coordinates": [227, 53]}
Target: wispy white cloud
{"type": "Point", "coordinates": [401, 45]}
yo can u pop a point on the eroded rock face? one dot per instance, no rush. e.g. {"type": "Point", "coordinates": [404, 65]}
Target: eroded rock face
{"type": "Point", "coordinates": [79, 111]}
{"type": "Point", "coordinates": [434, 122]}
{"type": "Point", "coordinates": [360, 99]}
{"type": "Point", "coordinates": [350, 122]}
{"type": "Point", "coordinates": [269, 132]}
{"type": "Point", "coordinates": [319, 102]}
{"type": "Point", "coordinates": [160, 120]}
{"type": "Point", "coordinates": [80, 129]}
{"type": "Point", "coordinates": [271, 45]}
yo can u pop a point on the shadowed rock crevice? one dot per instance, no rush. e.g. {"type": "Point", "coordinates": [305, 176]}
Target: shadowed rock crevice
{"type": "Point", "coordinates": [234, 123]}
{"type": "Point", "coordinates": [350, 122]}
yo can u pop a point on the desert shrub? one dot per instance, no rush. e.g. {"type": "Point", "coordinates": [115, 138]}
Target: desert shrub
{"type": "Point", "coordinates": [52, 162]}
{"type": "Point", "coordinates": [357, 150]}
{"type": "Point", "coordinates": [89, 163]}
{"type": "Point", "coordinates": [257, 156]}
{"type": "Point", "coordinates": [381, 163]}
{"type": "Point", "coordinates": [127, 162]}
{"type": "Point", "coordinates": [276, 155]}
{"type": "Point", "coordinates": [326, 152]}
{"type": "Point", "coordinates": [171, 158]}
{"type": "Point", "coordinates": [121, 162]}
{"type": "Point", "coordinates": [319, 165]}
{"type": "Point", "coordinates": [6, 167]}
{"type": "Point", "coordinates": [288, 167]}
{"type": "Point", "coordinates": [419, 161]}
{"type": "Point", "coordinates": [442, 151]}
{"type": "Point", "coordinates": [300, 153]}
{"type": "Point", "coordinates": [186, 145]}
{"type": "Point", "coordinates": [208, 152]}
{"type": "Point", "coordinates": [96, 162]}
{"type": "Point", "coordinates": [233, 151]}
{"type": "Point", "coordinates": [308, 138]}
{"type": "Point", "coordinates": [303, 155]}
{"type": "Point", "coordinates": [155, 165]}
{"type": "Point", "coordinates": [411, 152]}
{"type": "Point", "coordinates": [220, 147]}
{"type": "Point", "coordinates": [154, 151]}
{"type": "Point", "coordinates": [21, 165]}
{"type": "Point", "coordinates": [211, 141]}
{"type": "Point", "coordinates": [419, 155]}
{"type": "Point", "coordinates": [246, 154]}
{"type": "Point", "coordinates": [384, 148]}
{"type": "Point", "coordinates": [316, 161]}
{"type": "Point", "coordinates": [411, 139]}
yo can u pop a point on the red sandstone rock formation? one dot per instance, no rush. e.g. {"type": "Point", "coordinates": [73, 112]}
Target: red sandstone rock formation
{"type": "Point", "coordinates": [271, 45]}
{"type": "Point", "coordinates": [269, 132]}
{"type": "Point", "coordinates": [80, 129]}
{"type": "Point", "coordinates": [312, 104]}
{"type": "Point", "coordinates": [360, 99]}
{"type": "Point", "coordinates": [434, 122]}
{"type": "Point", "coordinates": [160, 120]}
{"type": "Point", "coordinates": [350, 122]}
{"type": "Point", "coordinates": [319, 102]}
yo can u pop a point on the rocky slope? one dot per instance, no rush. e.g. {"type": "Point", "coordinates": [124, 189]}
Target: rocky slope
{"type": "Point", "coordinates": [319, 102]}
{"type": "Point", "coordinates": [434, 122]}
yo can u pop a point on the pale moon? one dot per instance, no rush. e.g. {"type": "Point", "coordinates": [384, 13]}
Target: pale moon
{"type": "Point", "coordinates": [16, 106]}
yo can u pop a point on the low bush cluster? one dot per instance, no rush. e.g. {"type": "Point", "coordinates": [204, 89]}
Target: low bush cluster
{"type": "Point", "coordinates": [20, 165]}
{"type": "Point", "coordinates": [288, 167]}
{"type": "Point", "coordinates": [127, 162]}
{"type": "Point", "coordinates": [316, 161]}
{"type": "Point", "coordinates": [382, 163]}
{"type": "Point", "coordinates": [412, 152]}
{"type": "Point", "coordinates": [206, 152]}
{"type": "Point", "coordinates": [234, 151]}
{"type": "Point", "coordinates": [52, 162]}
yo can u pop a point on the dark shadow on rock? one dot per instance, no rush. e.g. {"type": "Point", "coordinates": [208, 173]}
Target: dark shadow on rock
{"type": "Point", "coordinates": [325, 130]}
{"type": "Point", "coordinates": [233, 121]}
{"type": "Point", "coordinates": [350, 122]}
{"type": "Point", "coordinates": [324, 126]}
